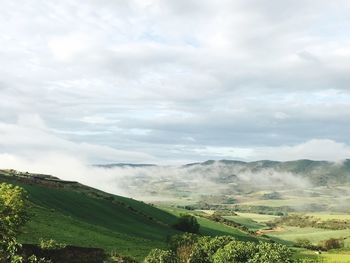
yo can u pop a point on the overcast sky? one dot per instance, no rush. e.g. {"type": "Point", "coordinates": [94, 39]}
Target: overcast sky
{"type": "Point", "coordinates": [174, 81]}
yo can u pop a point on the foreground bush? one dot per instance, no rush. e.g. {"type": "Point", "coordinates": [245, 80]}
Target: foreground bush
{"type": "Point", "coordinates": [235, 251]}
{"type": "Point", "coordinates": [190, 248]}
{"type": "Point", "coordinates": [50, 244]}
{"type": "Point", "coordinates": [13, 215]}
{"type": "Point", "coordinates": [183, 245]}
{"type": "Point", "coordinates": [206, 247]}
{"type": "Point", "coordinates": [160, 256]}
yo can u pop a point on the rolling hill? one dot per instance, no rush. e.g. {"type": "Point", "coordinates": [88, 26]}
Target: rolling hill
{"type": "Point", "coordinates": [75, 214]}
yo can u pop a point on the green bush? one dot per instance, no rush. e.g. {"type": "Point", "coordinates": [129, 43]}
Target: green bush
{"type": "Point", "coordinates": [206, 247]}
{"type": "Point", "coordinates": [331, 243]}
{"type": "Point", "coordinates": [187, 223]}
{"type": "Point", "coordinates": [160, 256]}
{"type": "Point", "coordinates": [182, 246]}
{"type": "Point", "coordinates": [13, 215]}
{"type": "Point", "coordinates": [304, 243]}
{"type": "Point", "coordinates": [236, 251]}
{"type": "Point", "coordinates": [50, 244]}
{"type": "Point", "coordinates": [272, 252]}
{"type": "Point", "coordinates": [191, 248]}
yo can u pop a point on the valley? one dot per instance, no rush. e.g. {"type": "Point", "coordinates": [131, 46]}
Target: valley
{"type": "Point", "coordinates": [296, 204]}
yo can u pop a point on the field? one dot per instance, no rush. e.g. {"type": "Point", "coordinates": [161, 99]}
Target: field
{"type": "Point", "coordinates": [329, 216]}
{"type": "Point", "coordinates": [78, 215]}
{"type": "Point", "coordinates": [86, 217]}
{"type": "Point", "coordinates": [288, 235]}
{"type": "Point", "coordinates": [211, 228]}
{"type": "Point", "coordinates": [315, 235]}
{"type": "Point", "coordinates": [75, 218]}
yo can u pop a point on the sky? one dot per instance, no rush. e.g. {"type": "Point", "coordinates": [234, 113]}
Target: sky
{"type": "Point", "coordinates": [172, 81]}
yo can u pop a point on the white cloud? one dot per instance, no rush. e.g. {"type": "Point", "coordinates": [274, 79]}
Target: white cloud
{"type": "Point", "coordinates": [174, 80]}
{"type": "Point", "coordinates": [316, 149]}
{"type": "Point", "coordinates": [65, 48]}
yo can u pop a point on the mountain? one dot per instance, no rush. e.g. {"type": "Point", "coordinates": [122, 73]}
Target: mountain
{"type": "Point", "coordinates": [75, 214]}
{"type": "Point", "coordinates": [217, 182]}
{"type": "Point", "coordinates": [113, 165]}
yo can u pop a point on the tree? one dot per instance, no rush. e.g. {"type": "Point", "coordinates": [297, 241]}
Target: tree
{"type": "Point", "coordinates": [236, 252]}
{"type": "Point", "coordinates": [241, 252]}
{"type": "Point", "coordinates": [331, 243]}
{"type": "Point", "coordinates": [206, 247]}
{"type": "Point", "coordinates": [272, 252]}
{"type": "Point", "coordinates": [160, 256]}
{"type": "Point", "coordinates": [182, 246]}
{"type": "Point", "coordinates": [187, 223]}
{"type": "Point", "coordinates": [13, 215]}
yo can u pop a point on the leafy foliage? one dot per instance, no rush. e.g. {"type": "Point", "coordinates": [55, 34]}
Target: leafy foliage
{"type": "Point", "coordinates": [50, 244]}
{"type": "Point", "coordinates": [160, 256]}
{"type": "Point", "coordinates": [310, 221]}
{"type": "Point", "coordinates": [187, 223]}
{"type": "Point", "coordinates": [206, 247]}
{"type": "Point", "coordinates": [189, 248]}
{"type": "Point", "coordinates": [331, 243]}
{"type": "Point", "coordinates": [182, 246]}
{"type": "Point", "coordinates": [13, 215]}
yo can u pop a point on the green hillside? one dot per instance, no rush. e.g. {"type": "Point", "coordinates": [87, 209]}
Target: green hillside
{"type": "Point", "coordinates": [79, 215]}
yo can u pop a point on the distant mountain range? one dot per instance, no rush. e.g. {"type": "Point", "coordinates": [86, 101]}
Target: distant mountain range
{"type": "Point", "coordinates": [317, 172]}
{"type": "Point", "coordinates": [318, 183]}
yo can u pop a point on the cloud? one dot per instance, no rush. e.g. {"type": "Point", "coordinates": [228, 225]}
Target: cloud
{"type": "Point", "coordinates": [30, 139]}
{"type": "Point", "coordinates": [316, 149]}
{"type": "Point", "coordinates": [174, 81]}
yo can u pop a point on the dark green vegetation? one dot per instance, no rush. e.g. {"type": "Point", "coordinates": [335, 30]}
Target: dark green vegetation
{"type": "Point", "coordinates": [298, 204]}
{"type": "Point", "coordinates": [187, 223]}
{"type": "Point", "coordinates": [311, 221]}
{"type": "Point", "coordinates": [13, 215]}
{"type": "Point", "coordinates": [195, 249]}
{"type": "Point", "coordinates": [74, 214]}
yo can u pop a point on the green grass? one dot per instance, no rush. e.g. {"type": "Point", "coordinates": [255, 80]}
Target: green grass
{"type": "Point", "coordinates": [51, 224]}
{"type": "Point", "coordinates": [77, 216]}
{"type": "Point", "coordinates": [291, 202]}
{"type": "Point", "coordinates": [211, 228]}
{"type": "Point", "coordinates": [315, 235]}
{"type": "Point", "coordinates": [248, 222]}
{"type": "Point", "coordinates": [260, 218]}
{"type": "Point", "coordinates": [329, 216]}
{"type": "Point", "coordinates": [336, 257]}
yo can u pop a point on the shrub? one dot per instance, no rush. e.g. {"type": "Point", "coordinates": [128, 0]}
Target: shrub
{"type": "Point", "coordinates": [13, 215]}
{"type": "Point", "coordinates": [187, 223]}
{"type": "Point", "coordinates": [206, 247]}
{"type": "Point", "coordinates": [182, 245]}
{"type": "Point", "coordinates": [304, 243]}
{"type": "Point", "coordinates": [160, 256]}
{"type": "Point", "coordinates": [50, 244]}
{"type": "Point", "coordinates": [331, 243]}
{"type": "Point", "coordinates": [235, 251]}
{"type": "Point", "coordinates": [272, 252]}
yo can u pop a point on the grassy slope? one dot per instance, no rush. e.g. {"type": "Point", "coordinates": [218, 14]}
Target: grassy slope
{"type": "Point", "coordinates": [209, 227]}
{"type": "Point", "coordinates": [315, 235]}
{"type": "Point", "coordinates": [75, 216]}
{"type": "Point", "coordinates": [245, 221]}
